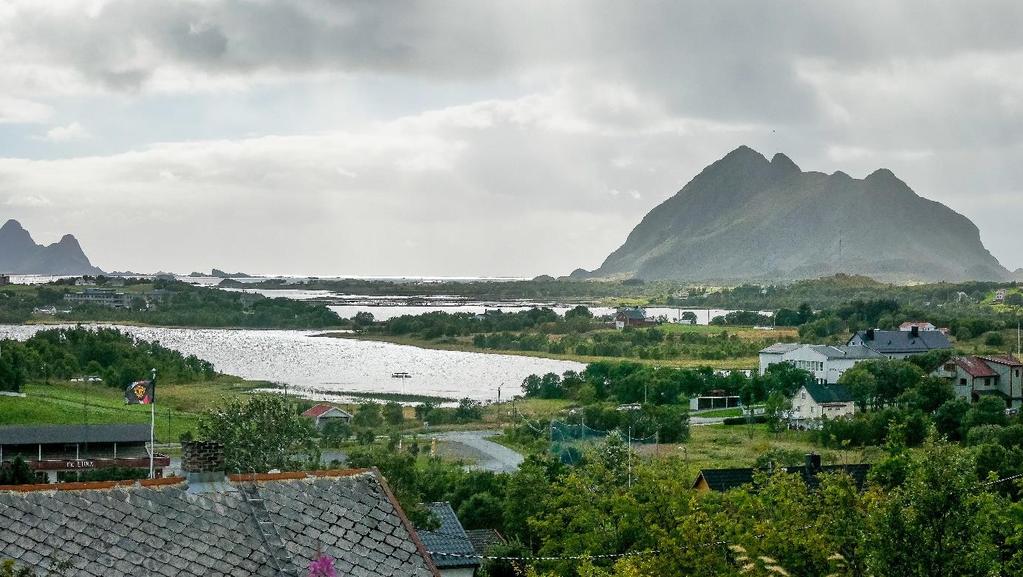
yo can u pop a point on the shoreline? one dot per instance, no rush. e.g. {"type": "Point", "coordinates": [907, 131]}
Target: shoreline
{"type": "Point", "coordinates": [733, 364]}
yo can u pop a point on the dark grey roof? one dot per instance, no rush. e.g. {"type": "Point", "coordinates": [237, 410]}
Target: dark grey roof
{"type": "Point", "coordinates": [634, 314]}
{"type": "Point", "coordinates": [484, 539]}
{"type": "Point", "coordinates": [47, 434]}
{"type": "Point", "coordinates": [780, 348]}
{"type": "Point", "coordinates": [903, 342]}
{"type": "Point", "coordinates": [829, 393]}
{"type": "Point", "coordinates": [847, 352]}
{"type": "Point", "coordinates": [448, 544]}
{"type": "Point", "coordinates": [727, 479]}
{"type": "Point", "coordinates": [164, 530]}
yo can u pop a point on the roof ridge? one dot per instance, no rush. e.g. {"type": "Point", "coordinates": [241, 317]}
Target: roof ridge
{"type": "Point", "coordinates": [91, 485]}
{"type": "Point", "coordinates": [165, 481]}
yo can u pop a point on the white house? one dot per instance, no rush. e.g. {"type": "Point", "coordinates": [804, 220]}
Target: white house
{"type": "Point", "coordinates": [815, 401]}
{"type": "Point", "coordinates": [826, 363]}
{"type": "Point", "coordinates": [775, 354]}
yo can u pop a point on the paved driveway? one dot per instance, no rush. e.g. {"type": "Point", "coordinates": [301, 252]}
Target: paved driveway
{"type": "Point", "coordinates": [489, 455]}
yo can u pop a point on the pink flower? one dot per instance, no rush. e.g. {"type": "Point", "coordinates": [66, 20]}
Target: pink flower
{"type": "Point", "coordinates": [323, 566]}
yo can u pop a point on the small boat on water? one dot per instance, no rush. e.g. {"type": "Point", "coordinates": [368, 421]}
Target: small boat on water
{"type": "Point", "coordinates": [401, 375]}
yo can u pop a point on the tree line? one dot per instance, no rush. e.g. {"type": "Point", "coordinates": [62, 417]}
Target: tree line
{"type": "Point", "coordinates": [116, 357]}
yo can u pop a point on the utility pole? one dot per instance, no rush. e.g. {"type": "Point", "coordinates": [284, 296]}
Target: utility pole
{"type": "Point", "coordinates": [630, 456]}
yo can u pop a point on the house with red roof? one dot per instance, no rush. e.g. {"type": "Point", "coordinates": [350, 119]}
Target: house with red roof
{"type": "Point", "coordinates": [323, 413]}
{"type": "Point", "coordinates": [980, 376]}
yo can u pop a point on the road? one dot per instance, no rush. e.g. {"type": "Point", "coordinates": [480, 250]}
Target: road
{"type": "Point", "coordinates": [489, 455]}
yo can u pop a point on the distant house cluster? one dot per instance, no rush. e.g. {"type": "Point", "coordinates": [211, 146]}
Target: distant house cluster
{"type": "Point", "coordinates": [100, 296]}
{"type": "Point", "coordinates": [825, 398]}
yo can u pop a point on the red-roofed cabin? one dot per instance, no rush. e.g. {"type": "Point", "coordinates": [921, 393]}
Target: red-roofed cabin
{"type": "Point", "coordinates": [323, 413]}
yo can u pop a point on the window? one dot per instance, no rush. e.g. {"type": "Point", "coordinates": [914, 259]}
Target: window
{"type": "Point", "coordinates": [803, 396]}
{"type": "Point", "coordinates": [962, 382]}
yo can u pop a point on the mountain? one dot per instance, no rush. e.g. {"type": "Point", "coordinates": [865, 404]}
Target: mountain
{"type": "Point", "coordinates": [748, 218]}
{"type": "Point", "coordinates": [19, 254]}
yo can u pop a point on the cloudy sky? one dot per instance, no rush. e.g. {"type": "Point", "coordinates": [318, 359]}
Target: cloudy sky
{"type": "Point", "coordinates": [470, 137]}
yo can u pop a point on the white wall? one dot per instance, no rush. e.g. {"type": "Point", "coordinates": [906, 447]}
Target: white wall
{"type": "Point", "coordinates": [804, 408]}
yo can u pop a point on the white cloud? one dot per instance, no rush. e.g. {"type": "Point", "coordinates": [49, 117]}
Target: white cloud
{"type": "Point", "coordinates": [22, 111]}
{"type": "Point", "coordinates": [66, 133]}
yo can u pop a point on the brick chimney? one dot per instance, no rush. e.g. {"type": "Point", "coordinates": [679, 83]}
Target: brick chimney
{"type": "Point", "coordinates": [202, 462]}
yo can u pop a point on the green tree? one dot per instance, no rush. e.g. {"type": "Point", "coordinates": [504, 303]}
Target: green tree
{"type": "Point", "coordinates": [862, 384]}
{"type": "Point", "coordinates": [368, 415]}
{"type": "Point", "coordinates": [936, 523]}
{"type": "Point", "coordinates": [261, 434]}
{"type": "Point", "coordinates": [336, 432]}
{"type": "Point", "coordinates": [930, 394]}
{"type": "Point", "coordinates": [986, 411]}
{"type": "Point", "coordinates": [948, 419]}
{"type": "Point", "coordinates": [393, 414]}
{"type": "Point", "coordinates": [16, 472]}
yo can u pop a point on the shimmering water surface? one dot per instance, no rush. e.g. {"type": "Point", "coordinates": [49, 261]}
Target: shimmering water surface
{"type": "Point", "coordinates": [310, 363]}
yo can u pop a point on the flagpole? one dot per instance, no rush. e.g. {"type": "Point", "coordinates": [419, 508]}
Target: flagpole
{"type": "Point", "coordinates": [152, 426]}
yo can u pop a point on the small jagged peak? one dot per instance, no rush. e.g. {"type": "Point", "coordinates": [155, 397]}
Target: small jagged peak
{"type": "Point", "coordinates": [841, 175]}
{"type": "Point", "coordinates": [68, 239]}
{"type": "Point", "coordinates": [782, 162]}
{"type": "Point", "coordinates": [883, 174]}
{"type": "Point", "coordinates": [12, 225]}
{"type": "Point", "coordinates": [743, 152]}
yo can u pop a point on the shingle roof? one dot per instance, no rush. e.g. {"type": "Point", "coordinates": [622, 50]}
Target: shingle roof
{"type": "Point", "coordinates": [484, 539]}
{"type": "Point", "coordinates": [975, 367]}
{"type": "Point", "coordinates": [448, 544]}
{"type": "Point", "coordinates": [1007, 360]}
{"type": "Point", "coordinates": [829, 393]}
{"type": "Point", "coordinates": [886, 342]}
{"type": "Point", "coordinates": [54, 434]}
{"type": "Point", "coordinates": [165, 530]}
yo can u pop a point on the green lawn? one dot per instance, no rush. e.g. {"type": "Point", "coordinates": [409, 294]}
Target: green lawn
{"type": "Point", "coordinates": [65, 403]}
{"type": "Point", "coordinates": [721, 446]}
{"type": "Point", "coordinates": [720, 413]}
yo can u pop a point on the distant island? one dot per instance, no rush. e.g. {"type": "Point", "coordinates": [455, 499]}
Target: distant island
{"type": "Point", "coordinates": [747, 218]}
{"type": "Point", "coordinates": [217, 273]}
{"type": "Point", "coordinates": [19, 254]}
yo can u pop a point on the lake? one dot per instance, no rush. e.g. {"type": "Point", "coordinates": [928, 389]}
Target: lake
{"type": "Point", "coordinates": [307, 363]}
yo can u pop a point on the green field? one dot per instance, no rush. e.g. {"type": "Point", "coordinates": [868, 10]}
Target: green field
{"type": "Point", "coordinates": [177, 409]}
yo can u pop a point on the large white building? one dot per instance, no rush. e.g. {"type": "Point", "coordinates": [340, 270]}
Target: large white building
{"type": "Point", "coordinates": [826, 363]}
